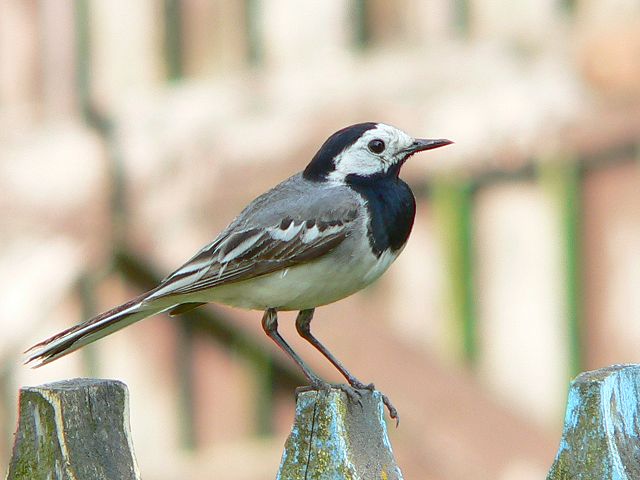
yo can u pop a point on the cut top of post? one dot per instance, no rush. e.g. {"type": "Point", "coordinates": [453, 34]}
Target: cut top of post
{"type": "Point", "coordinates": [334, 437]}
{"type": "Point", "coordinates": [76, 428]}
{"type": "Point", "coordinates": [601, 437]}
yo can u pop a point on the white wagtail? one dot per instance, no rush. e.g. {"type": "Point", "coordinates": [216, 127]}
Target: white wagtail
{"type": "Point", "coordinates": [315, 238]}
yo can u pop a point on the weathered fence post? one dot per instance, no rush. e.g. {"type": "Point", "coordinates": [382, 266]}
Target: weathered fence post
{"type": "Point", "coordinates": [333, 437]}
{"type": "Point", "coordinates": [601, 437]}
{"type": "Point", "coordinates": [74, 430]}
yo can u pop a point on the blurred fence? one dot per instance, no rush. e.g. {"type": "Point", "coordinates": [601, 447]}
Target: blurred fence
{"type": "Point", "coordinates": [67, 56]}
{"type": "Point", "coordinates": [117, 118]}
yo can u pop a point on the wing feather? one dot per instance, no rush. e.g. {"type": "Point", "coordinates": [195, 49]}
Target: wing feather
{"type": "Point", "coordinates": [245, 254]}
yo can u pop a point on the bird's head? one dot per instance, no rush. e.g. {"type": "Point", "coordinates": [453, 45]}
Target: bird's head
{"type": "Point", "coordinates": [366, 150]}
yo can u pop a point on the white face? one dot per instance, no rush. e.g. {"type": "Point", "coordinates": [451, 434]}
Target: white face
{"type": "Point", "coordinates": [375, 152]}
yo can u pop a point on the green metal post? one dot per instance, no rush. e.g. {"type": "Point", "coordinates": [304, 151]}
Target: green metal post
{"type": "Point", "coordinates": [173, 39]}
{"type": "Point", "coordinates": [453, 205]}
{"type": "Point", "coordinates": [563, 179]}
{"type": "Point", "coordinates": [253, 32]}
{"type": "Point", "coordinates": [462, 16]}
{"type": "Point", "coordinates": [362, 33]}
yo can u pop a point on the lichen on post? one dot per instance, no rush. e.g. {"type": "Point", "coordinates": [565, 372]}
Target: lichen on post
{"type": "Point", "coordinates": [601, 437]}
{"type": "Point", "coordinates": [334, 437]}
{"type": "Point", "coordinates": [74, 430]}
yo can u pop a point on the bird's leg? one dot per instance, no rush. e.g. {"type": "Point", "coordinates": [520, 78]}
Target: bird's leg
{"type": "Point", "coordinates": [270, 326]}
{"type": "Point", "coordinates": [303, 326]}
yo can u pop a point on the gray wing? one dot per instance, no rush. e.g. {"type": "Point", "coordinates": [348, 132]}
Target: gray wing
{"type": "Point", "coordinates": [296, 222]}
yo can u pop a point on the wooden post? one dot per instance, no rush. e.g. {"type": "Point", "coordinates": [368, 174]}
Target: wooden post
{"type": "Point", "coordinates": [74, 430]}
{"type": "Point", "coordinates": [601, 437]}
{"type": "Point", "coordinates": [333, 437]}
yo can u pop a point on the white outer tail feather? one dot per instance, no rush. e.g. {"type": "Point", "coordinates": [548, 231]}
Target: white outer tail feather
{"type": "Point", "coordinates": [80, 335]}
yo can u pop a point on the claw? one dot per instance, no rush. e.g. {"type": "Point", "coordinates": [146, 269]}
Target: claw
{"type": "Point", "coordinates": [393, 413]}
{"type": "Point", "coordinates": [353, 393]}
{"type": "Point", "coordinates": [361, 386]}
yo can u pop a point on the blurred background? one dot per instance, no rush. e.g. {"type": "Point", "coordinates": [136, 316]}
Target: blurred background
{"type": "Point", "coordinates": [132, 132]}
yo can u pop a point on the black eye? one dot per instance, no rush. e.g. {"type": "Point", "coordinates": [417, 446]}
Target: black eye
{"type": "Point", "coordinates": [376, 146]}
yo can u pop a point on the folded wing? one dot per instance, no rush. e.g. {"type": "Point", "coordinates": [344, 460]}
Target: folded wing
{"type": "Point", "coordinates": [244, 254]}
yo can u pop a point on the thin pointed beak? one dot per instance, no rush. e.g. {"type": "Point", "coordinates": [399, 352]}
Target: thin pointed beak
{"type": "Point", "coordinates": [421, 144]}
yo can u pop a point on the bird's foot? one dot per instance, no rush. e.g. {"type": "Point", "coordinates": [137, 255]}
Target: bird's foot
{"type": "Point", "coordinates": [393, 412]}
{"type": "Point", "coordinates": [357, 384]}
{"type": "Point", "coordinates": [352, 393]}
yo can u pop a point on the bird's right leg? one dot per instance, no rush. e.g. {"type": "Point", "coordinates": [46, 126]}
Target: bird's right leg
{"type": "Point", "coordinates": [270, 326]}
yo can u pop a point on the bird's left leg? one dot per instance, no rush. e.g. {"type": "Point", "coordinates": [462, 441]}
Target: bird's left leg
{"type": "Point", "coordinates": [303, 326]}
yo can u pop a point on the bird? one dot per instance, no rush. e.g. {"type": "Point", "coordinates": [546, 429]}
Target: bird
{"type": "Point", "coordinates": [317, 237]}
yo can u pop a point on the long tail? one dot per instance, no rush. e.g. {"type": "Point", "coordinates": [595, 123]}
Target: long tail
{"type": "Point", "coordinates": [89, 331]}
